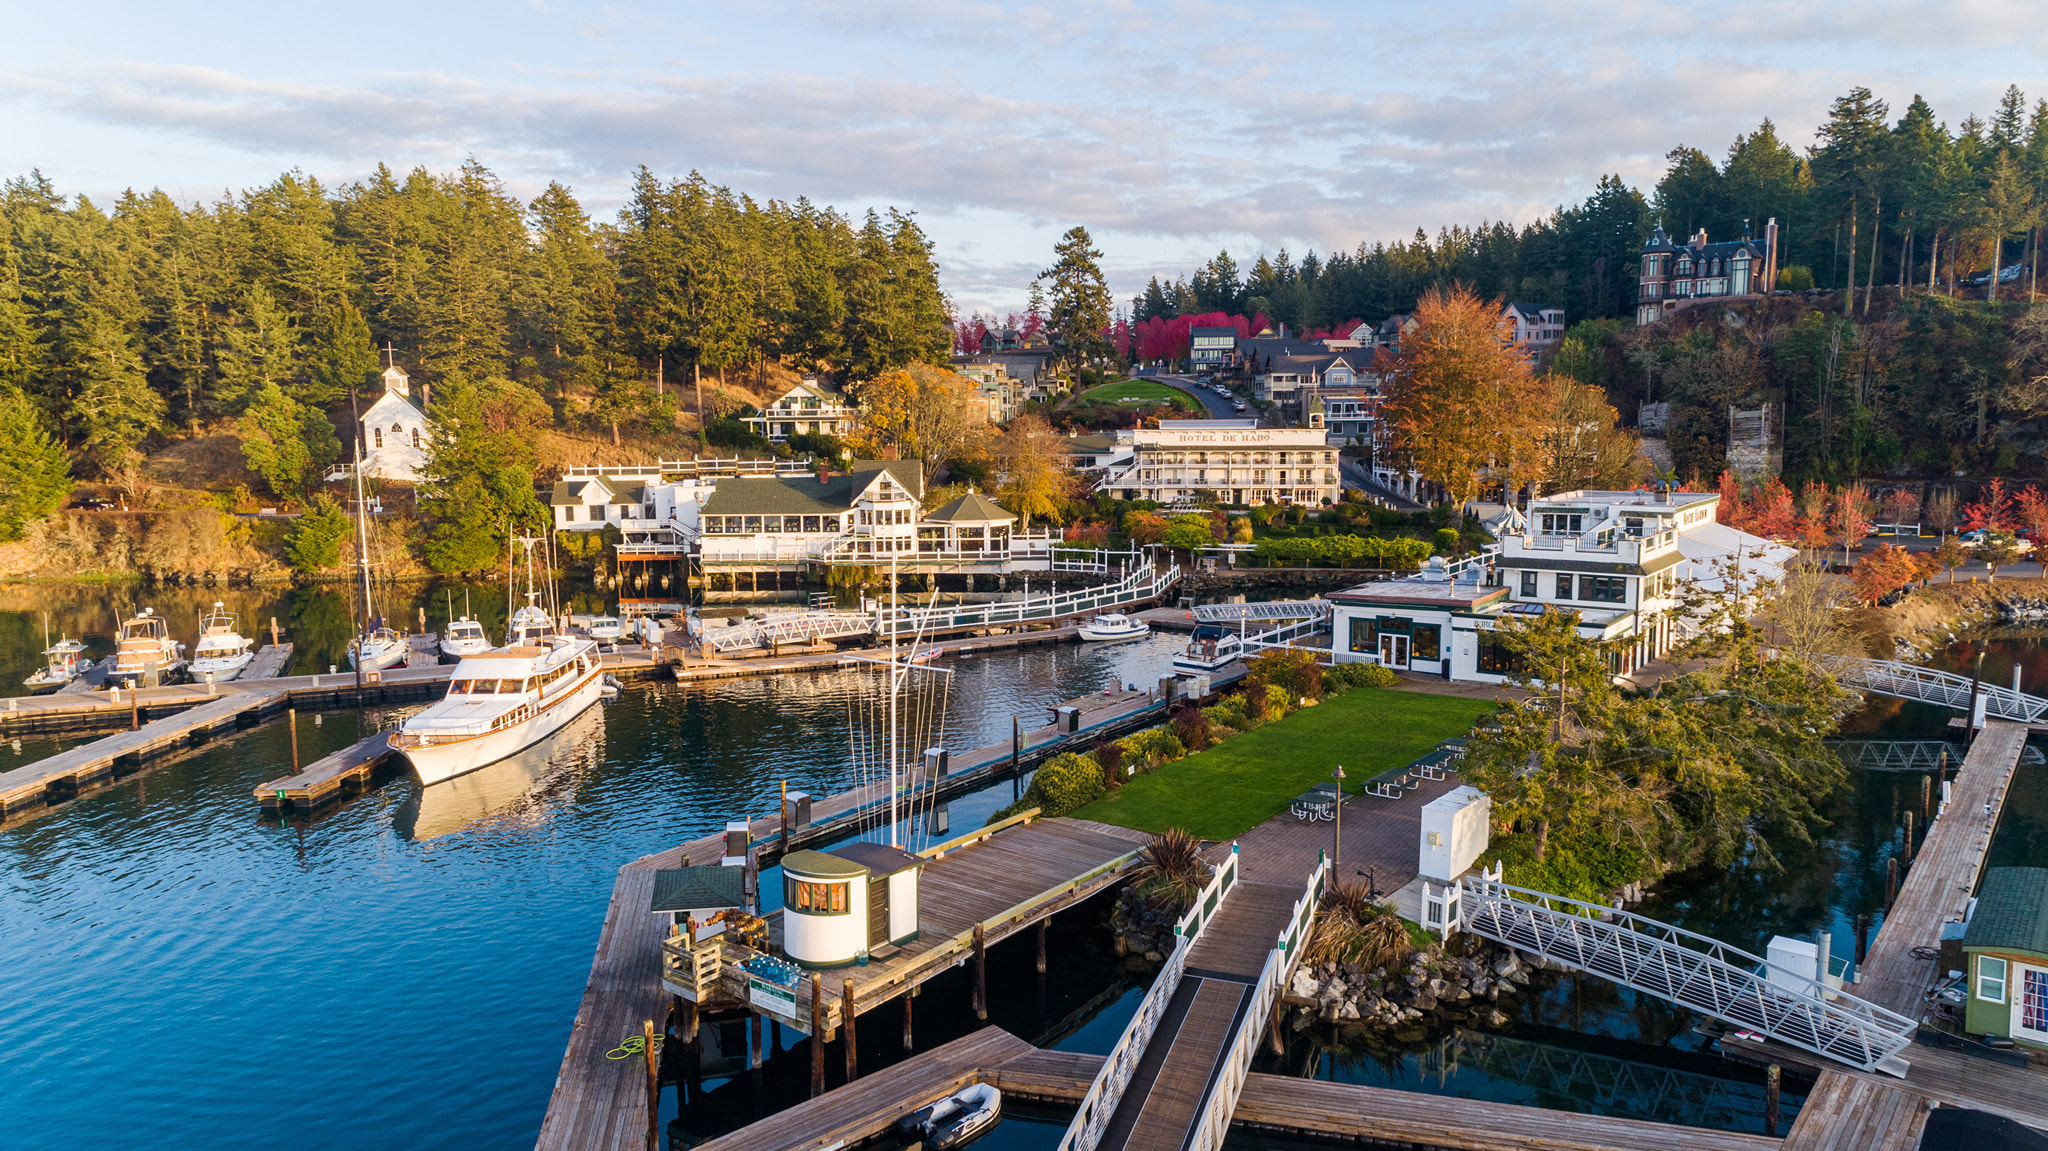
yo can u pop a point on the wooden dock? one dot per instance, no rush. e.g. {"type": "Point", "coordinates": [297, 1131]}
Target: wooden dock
{"type": "Point", "coordinates": [1848, 1111]}
{"type": "Point", "coordinates": [346, 772]}
{"type": "Point", "coordinates": [269, 663]}
{"type": "Point", "coordinates": [68, 773]}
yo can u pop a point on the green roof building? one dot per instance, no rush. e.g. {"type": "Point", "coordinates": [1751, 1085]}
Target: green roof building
{"type": "Point", "coordinates": [2005, 953]}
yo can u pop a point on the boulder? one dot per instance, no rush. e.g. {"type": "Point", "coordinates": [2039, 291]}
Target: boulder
{"type": "Point", "coordinates": [1303, 984]}
{"type": "Point", "coordinates": [1507, 965]}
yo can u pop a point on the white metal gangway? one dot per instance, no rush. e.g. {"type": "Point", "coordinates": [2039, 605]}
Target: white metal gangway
{"type": "Point", "coordinates": [1272, 609]}
{"type": "Point", "coordinates": [1145, 584]}
{"type": "Point", "coordinates": [1913, 754]}
{"type": "Point", "coordinates": [808, 627]}
{"type": "Point", "coordinates": [1929, 685]}
{"type": "Point", "coordinates": [1690, 970]}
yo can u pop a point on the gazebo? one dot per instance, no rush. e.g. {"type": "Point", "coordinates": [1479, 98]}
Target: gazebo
{"type": "Point", "coordinates": [972, 524]}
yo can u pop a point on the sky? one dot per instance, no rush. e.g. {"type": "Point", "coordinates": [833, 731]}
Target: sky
{"type": "Point", "coordinates": [1170, 130]}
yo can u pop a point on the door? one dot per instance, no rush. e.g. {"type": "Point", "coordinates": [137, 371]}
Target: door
{"type": "Point", "coordinates": [1394, 650]}
{"type": "Point", "coordinates": [2030, 1003]}
{"type": "Point", "coordinates": [878, 911]}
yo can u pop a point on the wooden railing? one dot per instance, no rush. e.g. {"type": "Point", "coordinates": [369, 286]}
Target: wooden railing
{"type": "Point", "coordinates": [940, 850]}
{"type": "Point", "coordinates": [1213, 1123]}
{"type": "Point", "coordinates": [1107, 1091]}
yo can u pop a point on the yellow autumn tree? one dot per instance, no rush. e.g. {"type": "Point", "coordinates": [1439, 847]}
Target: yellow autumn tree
{"type": "Point", "coordinates": [1032, 479]}
{"type": "Point", "coordinates": [923, 413]}
{"type": "Point", "coordinates": [1577, 444]}
{"type": "Point", "coordinates": [1459, 395]}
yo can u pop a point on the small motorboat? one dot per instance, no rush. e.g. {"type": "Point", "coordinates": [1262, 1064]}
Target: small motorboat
{"type": "Point", "coordinates": [531, 626]}
{"type": "Point", "coordinates": [1114, 626]}
{"type": "Point", "coordinates": [1210, 649]}
{"type": "Point", "coordinates": [221, 652]}
{"type": "Point", "coordinates": [146, 653]}
{"type": "Point", "coordinates": [63, 662]}
{"type": "Point", "coordinates": [955, 1121]}
{"type": "Point", "coordinates": [464, 637]}
{"type": "Point", "coordinates": [606, 630]}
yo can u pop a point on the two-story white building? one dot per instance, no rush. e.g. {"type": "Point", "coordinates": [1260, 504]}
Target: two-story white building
{"type": "Point", "coordinates": [808, 409]}
{"type": "Point", "coordinates": [1534, 328]}
{"type": "Point", "coordinates": [1236, 460]}
{"type": "Point", "coordinates": [1614, 559]}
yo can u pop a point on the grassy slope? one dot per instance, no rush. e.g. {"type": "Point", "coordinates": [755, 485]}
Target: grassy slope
{"type": "Point", "coordinates": [1247, 780]}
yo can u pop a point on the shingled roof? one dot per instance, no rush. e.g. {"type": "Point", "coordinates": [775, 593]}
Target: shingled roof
{"type": "Point", "coordinates": [2012, 911]}
{"type": "Point", "coordinates": [972, 508]}
{"type": "Point", "coordinates": [805, 495]}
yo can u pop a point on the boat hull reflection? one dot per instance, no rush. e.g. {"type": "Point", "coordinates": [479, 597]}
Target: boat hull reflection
{"type": "Point", "coordinates": [509, 787]}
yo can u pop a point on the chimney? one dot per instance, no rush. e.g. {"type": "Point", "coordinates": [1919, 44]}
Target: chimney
{"type": "Point", "coordinates": [1663, 492]}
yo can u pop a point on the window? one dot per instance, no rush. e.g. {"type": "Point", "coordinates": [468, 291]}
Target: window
{"type": "Point", "coordinates": [1605, 589]}
{"type": "Point", "coordinates": [811, 524]}
{"type": "Point", "coordinates": [1365, 636]}
{"type": "Point", "coordinates": [771, 523]}
{"type": "Point", "coordinates": [1427, 642]}
{"type": "Point", "coordinates": [2033, 999]}
{"type": "Point", "coordinates": [1495, 657]}
{"type": "Point", "coordinates": [1528, 585]}
{"type": "Point", "coordinates": [379, 434]}
{"type": "Point", "coordinates": [1562, 523]}
{"type": "Point", "coordinates": [1991, 978]}
{"type": "Point", "coordinates": [1564, 585]}
{"type": "Point", "coordinates": [753, 523]}
{"type": "Point", "coordinates": [415, 437]}
{"type": "Point", "coordinates": [814, 898]}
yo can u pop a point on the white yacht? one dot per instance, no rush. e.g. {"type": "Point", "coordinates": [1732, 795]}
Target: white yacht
{"type": "Point", "coordinates": [1212, 648]}
{"type": "Point", "coordinates": [63, 662]}
{"type": "Point", "coordinates": [1114, 626]}
{"type": "Point", "coordinates": [462, 638]}
{"type": "Point", "coordinates": [530, 625]}
{"type": "Point", "coordinates": [606, 630]}
{"type": "Point", "coordinates": [377, 651]}
{"type": "Point", "coordinates": [146, 645]}
{"type": "Point", "coordinates": [499, 702]}
{"type": "Point", "coordinates": [221, 652]}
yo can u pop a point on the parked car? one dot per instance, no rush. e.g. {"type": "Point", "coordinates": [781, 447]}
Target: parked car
{"type": "Point", "coordinates": [1237, 406]}
{"type": "Point", "coordinates": [96, 504]}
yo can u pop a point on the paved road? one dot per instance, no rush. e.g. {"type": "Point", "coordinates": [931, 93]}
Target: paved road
{"type": "Point", "coordinates": [1217, 406]}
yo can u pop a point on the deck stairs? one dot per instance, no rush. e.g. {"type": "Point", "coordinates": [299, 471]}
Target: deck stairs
{"type": "Point", "coordinates": [1673, 964]}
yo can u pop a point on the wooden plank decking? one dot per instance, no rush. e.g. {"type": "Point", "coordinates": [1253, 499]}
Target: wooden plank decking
{"type": "Point", "coordinates": [867, 1106]}
{"type": "Point", "coordinates": [80, 767]}
{"type": "Point", "coordinates": [1855, 1111]}
{"type": "Point", "coordinates": [328, 778]}
{"type": "Point", "coordinates": [269, 663]}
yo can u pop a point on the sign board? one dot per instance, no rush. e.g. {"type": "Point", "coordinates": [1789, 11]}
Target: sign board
{"type": "Point", "coordinates": [771, 997]}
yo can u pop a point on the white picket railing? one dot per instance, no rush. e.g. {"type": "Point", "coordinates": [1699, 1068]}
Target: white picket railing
{"type": "Point", "coordinates": [1213, 1123]}
{"type": "Point", "coordinates": [1100, 1104]}
{"type": "Point", "coordinates": [1146, 583]}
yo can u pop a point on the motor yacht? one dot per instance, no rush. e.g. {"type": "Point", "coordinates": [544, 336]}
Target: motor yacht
{"type": "Point", "coordinates": [221, 652]}
{"type": "Point", "coordinates": [63, 662]}
{"type": "Point", "coordinates": [606, 630]}
{"type": "Point", "coordinates": [1114, 626]}
{"type": "Point", "coordinates": [146, 649]}
{"type": "Point", "coordinates": [499, 702]}
{"type": "Point", "coordinates": [1211, 649]}
{"type": "Point", "coordinates": [464, 637]}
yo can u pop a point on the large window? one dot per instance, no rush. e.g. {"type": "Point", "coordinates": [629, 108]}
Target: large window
{"type": "Point", "coordinates": [1561, 523]}
{"type": "Point", "coordinates": [1495, 658]}
{"type": "Point", "coordinates": [814, 898]}
{"type": "Point", "coordinates": [1365, 635]}
{"type": "Point", "coordinates": [1427, 642]}
{"type": "Point", "coordinates": [1991, 979]}
{"type": "Point", "coordinates": [1564, 585]}
{"type": "Point", "coordinates": [1605, 589]}
{"type": "Point", "coordinates": [1528, 585]}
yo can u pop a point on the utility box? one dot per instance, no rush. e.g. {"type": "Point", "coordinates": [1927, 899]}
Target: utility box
{"type": "Point", "coordinates": [738, 838]}
{"type": "Point", "coordinates": [1194, 687]}
{"type": "Point", "coordinates": [796, 810]}
{"type": "Point", "coordinates": [937, 761]}
{"type": "Point", "coordinates": [1793, 962]}
{"type": "Point", "coordinates": [1455, 829]}
{"type": "Point", "coordinates": [1069, 720]}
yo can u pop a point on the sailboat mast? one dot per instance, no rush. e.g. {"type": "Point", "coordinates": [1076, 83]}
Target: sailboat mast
{"type": "Point", "coordinates": [895, 682]}
{"type": "Point", "coordinates": [363, 538]}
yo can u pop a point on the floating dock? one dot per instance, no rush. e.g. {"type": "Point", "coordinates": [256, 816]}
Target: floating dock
{"type": "Point", "coordinates": [346, 772]}
{"type": "Point", "coordinates": [70, 773]}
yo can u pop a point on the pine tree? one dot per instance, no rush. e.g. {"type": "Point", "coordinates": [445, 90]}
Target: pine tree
{"type": "Point", "coordinates": [1079, 316]}
{"type": "Point", "coordinates": [34, 473]}
{"type": "Point", "coordinates": [259, 349]}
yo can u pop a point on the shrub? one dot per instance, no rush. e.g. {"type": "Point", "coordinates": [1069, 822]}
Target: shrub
{"type": "Point", "coordinates": [1191, 727]}
{"type": "Point", "coordinates": [1064, 784]}
{"type": "Point", "coordinates": [1279, 701]}
{"type": "Point", "coordinates": [316, 538]}
{"type": "Point", "coordinates": [1295, 671]}
{"type": "Point", "coordinates": [1227, 713]}
{"type": "Point", "coordinates": [1171, 869]}
{"type": "Point", "coordinates": [1796, 278]}
{"type": "Point", "coordinates": [1346, 676]}
{"type": "Point", "coordinates": [1155, 746]}
{"type": "Point", "coordinates": [1111, 757]}
{"type": "Point", "coordinates": [1447, 541]}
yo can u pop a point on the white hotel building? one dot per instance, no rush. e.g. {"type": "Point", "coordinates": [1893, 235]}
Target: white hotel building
{"type": "Point", "coordinates": [1236, 460]}
{"type": "Point", "coordinates": [1612, 558]}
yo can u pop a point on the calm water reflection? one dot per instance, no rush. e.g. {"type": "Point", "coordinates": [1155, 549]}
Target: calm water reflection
{"type": "Point", "coordinates": [403, 970]}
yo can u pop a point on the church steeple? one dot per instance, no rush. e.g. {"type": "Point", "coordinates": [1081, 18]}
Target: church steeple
{"type": "Point", "coordinates": [395, 379]}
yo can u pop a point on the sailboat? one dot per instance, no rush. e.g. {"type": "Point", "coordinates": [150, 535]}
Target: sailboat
{"type": "Point", "coordinates": [506, 699]}
{"type": "Point", "coordinates": [378, 647]}
{"type": "Point", "coordinates": [532, 623]}
{"type": "Point", "coordinates": [221, 652]}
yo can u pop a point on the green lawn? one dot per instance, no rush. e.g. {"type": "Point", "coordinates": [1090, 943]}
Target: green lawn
{"type": "Point", "coordinates": [1134, 393]}
{"type": "Point", "coordinates": [1247, 780]}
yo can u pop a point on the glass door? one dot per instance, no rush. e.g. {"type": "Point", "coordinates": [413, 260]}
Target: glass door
{"type": "Point", "coordinates": [1394, 650]}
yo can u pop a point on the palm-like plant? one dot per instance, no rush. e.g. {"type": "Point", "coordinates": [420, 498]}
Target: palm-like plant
{"type": "Point", "coordinates": [1171, 869]}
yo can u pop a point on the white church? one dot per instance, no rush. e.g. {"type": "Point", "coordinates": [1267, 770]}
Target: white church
{"type": "Point", "coordinates": [394, 432]}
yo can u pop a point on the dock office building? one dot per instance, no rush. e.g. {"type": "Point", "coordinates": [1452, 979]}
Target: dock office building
{"type": "Point", "coordinates": [1613, 558]}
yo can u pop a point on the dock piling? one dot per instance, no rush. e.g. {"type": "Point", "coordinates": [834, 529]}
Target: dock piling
{"type": "Point", "coordinates": [653, 1086]}
{"type": "Point", "coordinates": [980, 975]}
{"type": "Point", "coordinates": [907, 1001]}
{"type": "Point", "coordinates": [852, 1047]}
{"type": "Point", "coordinates": [1909, 837]}
{"type": "Point", "coordinates": [817, 1035]}
{"type": "Point", "coordinates": [1043, 924]}
{"type": "Point", "coordinates": [1862, 940]}
{"type": "Point", "coordinates": [1771, 1116]}
{"type": "Point", "coordinates": [134, 710]}
{"type": "Point", "coordinates": [1016, 752]}
{"type": "Point", "coordinates": [291, 716]}
{"type": "Point", "coordinates": [1891, 882]}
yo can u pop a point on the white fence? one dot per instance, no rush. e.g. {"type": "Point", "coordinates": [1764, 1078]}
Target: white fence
{"type": "Point", "coordinates": [1213, 1123]}
{"type": "Point", "coordinates": [1100, 1104]}
{"type": "Point", "coordinates": [1147, 583]}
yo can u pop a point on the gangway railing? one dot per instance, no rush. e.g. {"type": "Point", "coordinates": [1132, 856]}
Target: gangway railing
{"type": "Point", "coordinates": [1272, 609]}
{"type": "Point", "coordinates": [1613, 1084]}
{"type": "Point", "coordinates": [1285, 635]}
{"type": "Point", "coordinates": [1931, 685]}
{"type": "Point", "coordinates": [1212, 1124]}
{"type": "Point", "coordinates": [1099, 1105]}
{"type": "Point", "coordinates": [809, 627]}
{"type": "Point", "coordinates": [1693, 971]}
{"type": "Point", "coordinates": [1147, 583]}
{"type": "Point", "coordinates": [1913, 754]}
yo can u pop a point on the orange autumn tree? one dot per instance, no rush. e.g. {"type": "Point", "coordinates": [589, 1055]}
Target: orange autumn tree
{"type": "Point", "coordinates": [1459, 394]}
{"type": "Point", "coordinates": [1883, 572]}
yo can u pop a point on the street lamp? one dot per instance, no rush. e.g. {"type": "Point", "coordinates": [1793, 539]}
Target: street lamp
{"type": "Point", "coordinates": [1338, 850]}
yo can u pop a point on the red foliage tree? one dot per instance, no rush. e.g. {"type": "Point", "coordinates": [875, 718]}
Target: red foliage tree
{"type": "Point", "coordinates": [2030, 507]}
{"type": "Point", "coordinates": [1993, 510]}
{"type": "Point", "coordinates": [1773, 515]}
{"type": "Point", "coordinates": [1883, 572]}
{"type": "Point", "coordinates": [1731, 510]}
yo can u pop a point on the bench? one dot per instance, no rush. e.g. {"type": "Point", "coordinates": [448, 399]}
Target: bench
{"type": "Point", "coordinates": [1318, 802]}
{"type": "Point", "coordinates": [1392, 783]}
